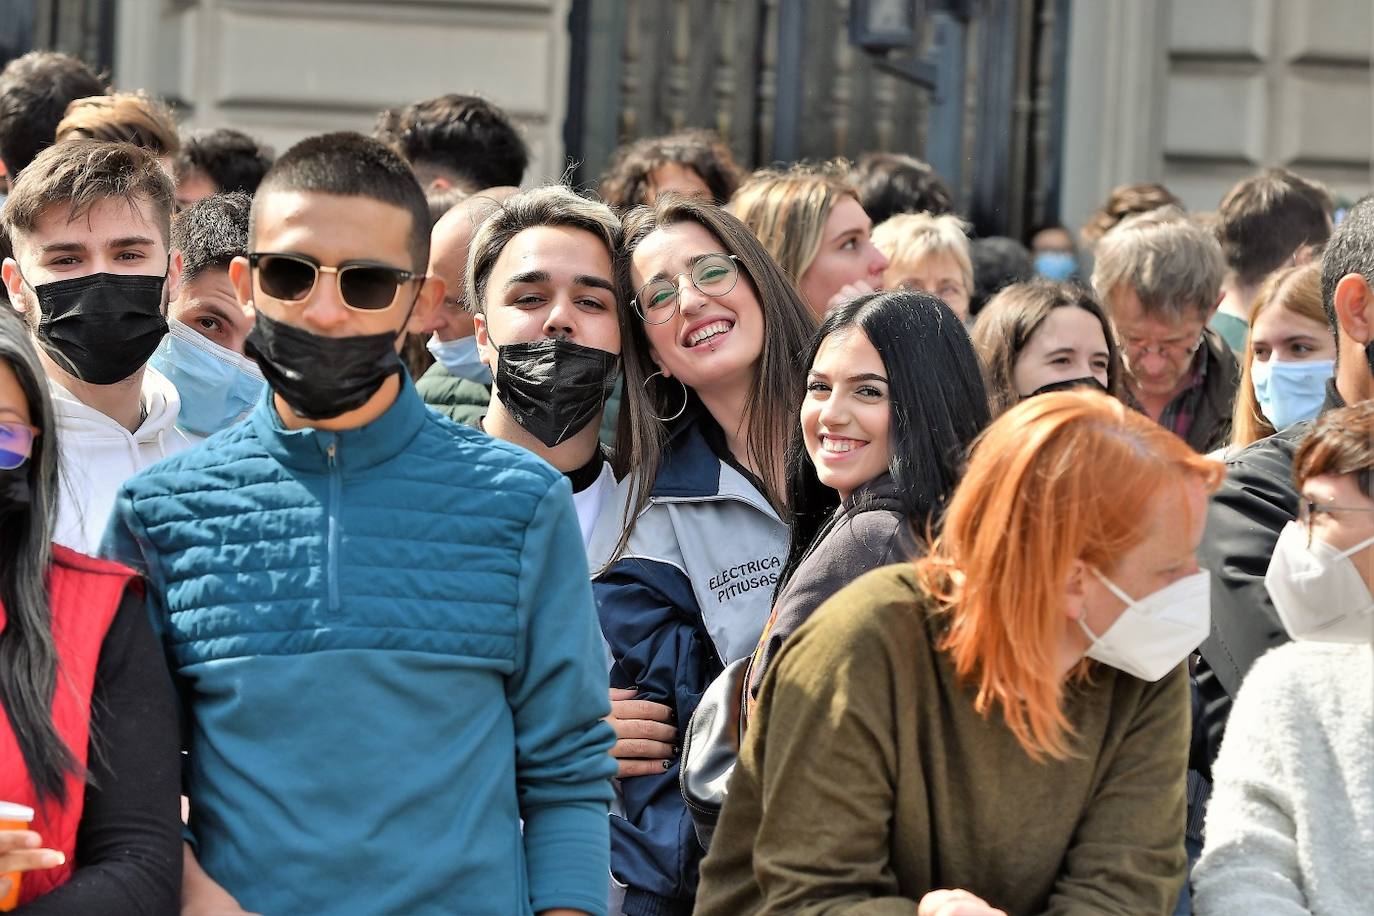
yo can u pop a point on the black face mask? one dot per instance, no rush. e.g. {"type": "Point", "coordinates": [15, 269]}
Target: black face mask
{"type": "Point", "coordinates": [1068, 384]}
{"type": "Point", "coordinates": [321, 377]}
{"type": "Point", "coordinates": [554, 387]}
{"type": "Point", "coordinates": [14, 490]}
{"type": "Point", "coordinates": [101, 328]}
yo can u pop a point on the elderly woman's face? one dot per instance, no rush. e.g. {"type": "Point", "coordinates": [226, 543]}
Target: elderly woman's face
{"type": "Point", "coordinates": [937, 273]}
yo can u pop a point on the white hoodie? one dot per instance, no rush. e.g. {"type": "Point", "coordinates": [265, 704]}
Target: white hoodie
{"type": "Point", "coordinates": [97, 455]}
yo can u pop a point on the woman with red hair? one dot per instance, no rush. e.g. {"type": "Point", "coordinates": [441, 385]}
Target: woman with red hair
{"type": "Point", "coordinates": [1004, 726]}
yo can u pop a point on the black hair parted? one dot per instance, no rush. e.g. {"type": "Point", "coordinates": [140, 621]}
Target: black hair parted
{"type": "Point", "coordinates": [211, 232]}
{"type": "Point", "coordinates": [350, 165]}
{"type": "Point", "coordinates": [232, 160]}
{"type": "Point", "coordinates": [938, 400]}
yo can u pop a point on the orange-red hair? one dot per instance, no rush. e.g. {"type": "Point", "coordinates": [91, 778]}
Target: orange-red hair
{"type": "Point", "coordinates": [1060, 477]}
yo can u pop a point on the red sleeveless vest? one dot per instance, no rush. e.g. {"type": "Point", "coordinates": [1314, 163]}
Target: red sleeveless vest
{"type": "Point", "coordinates": [83, 595]}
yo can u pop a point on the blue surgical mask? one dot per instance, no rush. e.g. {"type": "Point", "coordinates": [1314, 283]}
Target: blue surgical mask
{"type": "Point", "coordinates": [460, 358]}
{"type": "Point", "coordinates": [217, 385]}
{"type": "Point", "coordinates": [1289, 392]}
{"type": "Point", "coordinates": [1056, 265]}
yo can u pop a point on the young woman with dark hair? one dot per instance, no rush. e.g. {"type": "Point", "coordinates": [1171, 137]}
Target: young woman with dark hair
{"type": "Point", "coordinates": [1041, 336]}
{"type": "Point", "coordinates": [1003, 726]}
{"type": "Point", "coordinates": [711, 350]}
{"type": "Point", "coordinates": [88, 738]}
{"type": "Point", "coordinates": [894, 399]}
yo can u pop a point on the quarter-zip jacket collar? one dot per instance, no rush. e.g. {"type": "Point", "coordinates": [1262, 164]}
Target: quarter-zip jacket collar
{"type": "Point", "coordinates": [312, 449]}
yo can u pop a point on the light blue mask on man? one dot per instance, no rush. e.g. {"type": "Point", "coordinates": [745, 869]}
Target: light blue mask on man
{"type": "Point", "coordinates": [1056, 265]}
{"type": "Point", "coordinates": [1289, 392]}
{"type": "Point", "coordinates": [460, 358]}
{"type": "Point", "coordinates": [217, 385]}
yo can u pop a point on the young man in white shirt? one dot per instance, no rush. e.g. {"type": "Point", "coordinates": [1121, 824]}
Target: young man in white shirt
{"type": "Point", "coordinates": [92, 273]}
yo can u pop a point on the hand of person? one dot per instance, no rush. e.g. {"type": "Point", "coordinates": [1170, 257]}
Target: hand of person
{"type": "Point", "coordinates": [644, 737]}
{"type": "Point", "coordinates": [851, 291]}
{"type": "Point", "coordinates": [955, 903]}
{"type": "Point", "coordinates": [22, 850]}
{"type": "Point", "coordinates": [201, 895]}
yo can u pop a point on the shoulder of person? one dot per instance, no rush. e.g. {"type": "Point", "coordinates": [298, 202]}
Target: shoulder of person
{"type": "Point", "coordinates": [439, 386]}
{"type": "Point", "coordinates": [171, 474]}
{"type": "Point", "coordinates": [1301, 675]}
{"type": "Point", "coordinates": [1268, 458]}
{"type": "Point", "coordinates": [508, 462]}
{"type": "Point", "coordinates": [84, 563]}
{"type": "Point", "coordinates": [878, 610]}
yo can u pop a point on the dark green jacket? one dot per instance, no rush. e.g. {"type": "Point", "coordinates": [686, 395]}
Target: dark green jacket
{"type": "Point", "coordinates": [459, 399]}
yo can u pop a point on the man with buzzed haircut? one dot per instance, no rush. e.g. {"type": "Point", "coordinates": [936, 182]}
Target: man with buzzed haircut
{"type": "Point", "coordinates": [381, 622]}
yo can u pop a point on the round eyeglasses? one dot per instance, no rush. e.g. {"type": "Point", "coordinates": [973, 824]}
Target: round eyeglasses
{"type": "Point", "coordinates": [16, 444]}
{"type": "Point", "coordinates": [1172, 352]}
{"type": "Point", "coordinates": [713, 275]}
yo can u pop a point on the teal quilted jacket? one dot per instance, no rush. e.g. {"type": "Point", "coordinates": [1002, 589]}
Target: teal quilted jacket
{"type": "Point", "coordinates": [388, 656]}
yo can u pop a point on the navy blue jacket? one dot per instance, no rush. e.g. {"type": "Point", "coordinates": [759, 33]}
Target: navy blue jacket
{"type": "Point", "coordinates": [689, 595]}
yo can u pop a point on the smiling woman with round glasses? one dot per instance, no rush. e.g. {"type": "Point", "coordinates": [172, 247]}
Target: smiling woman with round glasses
{"type": "Point", "coordinates": [712, 354]}
{"type": "Point", "coordinates": [87, 724]}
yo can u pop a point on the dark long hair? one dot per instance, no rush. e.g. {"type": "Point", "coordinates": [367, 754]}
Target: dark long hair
{"type": "Point", "coordinates": [776, 394]}
{"type": "Point", "coordinates": [938, 402]}
{"type": "Point", "coordinates": [28, 655]}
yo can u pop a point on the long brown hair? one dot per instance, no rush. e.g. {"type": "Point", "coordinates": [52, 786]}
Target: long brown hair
{"type": "Point", "coordinates": [1299, 290]}
{"type": "Point", "coordinates": [775, 397]}
{"type": "Point", "coordinates": [1009, 320]}
{"type": "Point", "coordinates": [1058, 478]}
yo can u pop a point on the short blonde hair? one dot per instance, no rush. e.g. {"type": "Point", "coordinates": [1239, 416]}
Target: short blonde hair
{"type": "Point", "coordinates": [124, 117]}
{"type": "Point", "coordinates": [908, 237]}
{"type": "Point", "coordinates": [787, 210]}
{"type": "Point", "coordinates": [1173, 265]}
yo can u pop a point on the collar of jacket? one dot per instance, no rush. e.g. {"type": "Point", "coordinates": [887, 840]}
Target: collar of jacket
{"type": "Point", "coordinates": [355, 449]}
{"type": "Point", "coordinates": [1334, 401]}
{"type": "Point", "coordinates": [690, 469]}
{"type": "Point", "coordinates": [878, 493]}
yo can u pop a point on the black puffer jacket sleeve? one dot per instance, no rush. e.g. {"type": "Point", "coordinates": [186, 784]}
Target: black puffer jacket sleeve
{"type": "Point", "coordinates": [1244, 519]}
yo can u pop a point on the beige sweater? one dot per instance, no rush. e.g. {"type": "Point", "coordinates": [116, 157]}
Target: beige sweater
{"type": "Point", "coordinates": [867, 779]}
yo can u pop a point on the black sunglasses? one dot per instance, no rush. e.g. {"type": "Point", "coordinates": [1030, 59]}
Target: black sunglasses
{"type": "Point", "coordinates": [364, 286]}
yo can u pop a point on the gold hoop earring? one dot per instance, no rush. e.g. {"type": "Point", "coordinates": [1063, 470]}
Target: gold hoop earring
{"type": "Point", "coordinates": [685, 397]}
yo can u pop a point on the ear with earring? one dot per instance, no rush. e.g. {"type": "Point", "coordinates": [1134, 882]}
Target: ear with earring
{"type": "Point", "coordinates": [684, 396]}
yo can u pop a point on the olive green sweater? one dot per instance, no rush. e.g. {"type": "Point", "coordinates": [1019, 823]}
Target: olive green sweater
{"type": "Point", "coordinates": [867, 779]}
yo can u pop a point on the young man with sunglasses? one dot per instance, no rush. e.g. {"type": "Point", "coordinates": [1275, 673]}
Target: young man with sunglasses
{"type": "Point", "coordinates": [92, 274]}
{"type": "Point", "coordinates": [380, 621]}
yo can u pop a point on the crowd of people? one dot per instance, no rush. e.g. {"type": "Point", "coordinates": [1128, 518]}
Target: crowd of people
{"type": "Point", "coordinates": [379, 537]}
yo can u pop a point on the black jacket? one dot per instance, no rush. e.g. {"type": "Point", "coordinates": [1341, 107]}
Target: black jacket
{"type": "Point", "coordinates": [869, 530]}
{"type": "Point", "coordinates": [1212, 421]}
{"type": "Point", "coordinates": [1244, 519]}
